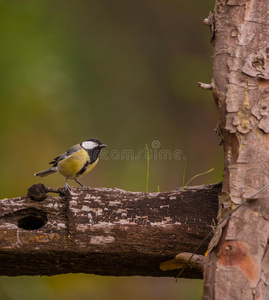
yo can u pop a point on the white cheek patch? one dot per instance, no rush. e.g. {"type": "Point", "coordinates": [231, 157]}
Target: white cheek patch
{"type": "Point", "coordinates": [88, 145]}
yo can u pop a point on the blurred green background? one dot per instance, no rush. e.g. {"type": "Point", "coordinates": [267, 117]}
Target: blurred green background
{"type": "Point", "coordinates": [124, 72]}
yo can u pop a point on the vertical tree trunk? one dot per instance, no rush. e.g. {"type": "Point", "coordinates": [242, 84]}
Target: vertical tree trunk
{"type": "Point", "coordinates": [237, 266]}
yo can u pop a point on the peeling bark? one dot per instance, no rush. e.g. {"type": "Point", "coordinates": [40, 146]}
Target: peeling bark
{"type": "Point", "coordinates": [103, 231]}
{"type": "Point", "coordinates": [237, 265]}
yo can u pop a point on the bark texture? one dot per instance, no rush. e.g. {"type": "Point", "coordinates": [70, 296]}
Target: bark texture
{"type": "Point", "coordinates": [237, 266]}
{"type": "Point", "coordinates": [103, 231]}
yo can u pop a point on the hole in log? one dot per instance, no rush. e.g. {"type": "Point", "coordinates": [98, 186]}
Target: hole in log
{"type": "Point", "coordinates": [35, 219]}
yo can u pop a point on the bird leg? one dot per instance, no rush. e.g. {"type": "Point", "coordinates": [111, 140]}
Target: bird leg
{"type": "Point", "coordinates": [79, 183]}
{"type": "Point", "coordinates": [67, 187]}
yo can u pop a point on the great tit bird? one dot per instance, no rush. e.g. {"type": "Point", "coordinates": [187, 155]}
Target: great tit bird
{"type": "Point", "coordinates": [76, 162]}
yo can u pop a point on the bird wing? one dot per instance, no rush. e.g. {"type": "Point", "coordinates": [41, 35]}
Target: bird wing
{"type": "Point", "coordinates": [71, 150]}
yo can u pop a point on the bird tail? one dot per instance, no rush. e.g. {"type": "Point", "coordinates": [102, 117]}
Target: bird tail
{"type": "Point", "coordinates": [46, 172]}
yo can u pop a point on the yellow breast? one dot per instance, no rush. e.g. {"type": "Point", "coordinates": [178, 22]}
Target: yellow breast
{"type": "Point", "coordinates": [89, 168]}
{"type": "Point", "coordinates": [77, 162]}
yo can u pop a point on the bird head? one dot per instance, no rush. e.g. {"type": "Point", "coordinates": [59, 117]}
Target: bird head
{"type": "Point", "coordinates": [93, 147]}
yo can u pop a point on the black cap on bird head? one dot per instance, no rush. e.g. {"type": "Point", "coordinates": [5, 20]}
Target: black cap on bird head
{"type": "Point", "coordinates": [92, 144]}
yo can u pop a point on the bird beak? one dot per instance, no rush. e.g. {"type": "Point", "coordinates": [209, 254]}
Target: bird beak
{"type": "Point", "coordinates": [102, 145]}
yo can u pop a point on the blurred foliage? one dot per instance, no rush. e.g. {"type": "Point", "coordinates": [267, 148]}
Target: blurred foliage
{"type": "Point", "coordinates": [78, 287]}
{"type": "Point", "coordinates": [124, 72]}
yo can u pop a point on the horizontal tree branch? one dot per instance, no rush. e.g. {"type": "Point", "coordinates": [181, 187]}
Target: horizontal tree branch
{"type": "Point", "coordinates": [103, 231]}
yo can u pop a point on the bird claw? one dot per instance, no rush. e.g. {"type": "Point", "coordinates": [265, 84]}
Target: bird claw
{"type": "Point", "coordinates": [67, 187]}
